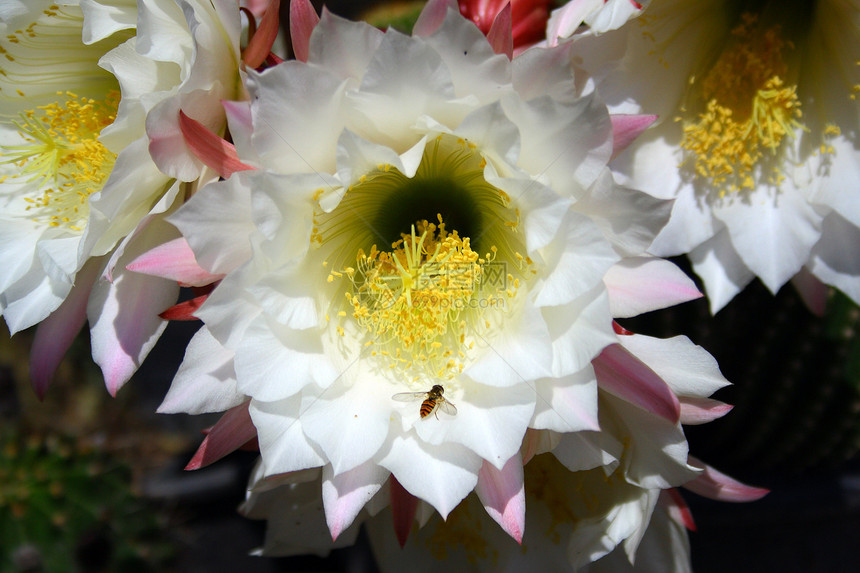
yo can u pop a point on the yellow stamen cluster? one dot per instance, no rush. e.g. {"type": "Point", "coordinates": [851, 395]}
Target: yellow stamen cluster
{"type": "Point", "coordinates": [749, 109]}
{"type": "Point", "coordinates": [63, 156]}
{"type": "Point", "coordinates": [411, 298]}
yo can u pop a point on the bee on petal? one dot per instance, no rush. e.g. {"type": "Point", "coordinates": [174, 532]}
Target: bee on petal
{"type": "Point", "coordinates": [433, 401]}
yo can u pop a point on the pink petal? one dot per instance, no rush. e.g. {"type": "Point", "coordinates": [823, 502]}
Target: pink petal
{"type": "Point", "coordinates": [625, 376]}
{"type": "Point", "coordinates": [233, 431]}
{"type": "Point", "coordinates": [715, 485]}
{"type": "Point", "coordinates": [173, 260]}
{"type": "Point", "coordinates": [260, 44]}
{"type": "Point", "coordinates": [677, 508]}
{"type": "Point", "coordinates": [503, 494]}
{"type": "Point", "coordinates": [500, 35]}
{"type": "Point", "coordinates": [303, 20]}
{"type": "Point", "coordinates": [432, 16]}
{"type": "Point", "coordinates": [215, 152]}
{"type": "Point", "coordinates": [403, 508]}
{"type": "Point", "coordinates": [813, 292]}
{"type": "Point", "coordinates": [626, 128]}
{"type": "Point", "coordinates": [695, 411]}
{"type": "Point", "coordinates": [344, 495]}
{"type": "Point", "coordinates": [643, 284]}
{"type": "Point", "coordinates": [55, 334]}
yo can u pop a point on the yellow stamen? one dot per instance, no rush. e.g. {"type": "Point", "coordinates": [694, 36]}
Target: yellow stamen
{"type": "Point", "coordinates": [63, 157]}
{"type": "Point", "coordinates": [749, 109]}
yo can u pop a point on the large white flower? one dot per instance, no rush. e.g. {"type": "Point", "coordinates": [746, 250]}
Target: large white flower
{"type": "Point", "coordinates": [426, 213]}
{"type": "Point", "coordinates": [81, 87]}
{"type": "Point", "coordinates": [758, 136]}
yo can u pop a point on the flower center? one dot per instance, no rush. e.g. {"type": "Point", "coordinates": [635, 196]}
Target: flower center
{"type": "Point", "coordinates": [425, 299]}
{"type": "Point", "coordinates": [61, 152]}
{"type": "Point", "coordinates": [750, 108]}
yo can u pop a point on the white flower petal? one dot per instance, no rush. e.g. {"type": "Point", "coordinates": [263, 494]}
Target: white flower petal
{"type": "Point", "coordinates": [834, 258]}
{"type": "Point", "coordinates": [567, 404]}
{"type": "Point", "coordinates": [440, 475]}
{"type": "Point", "coordinates": [577, 260]}
{"type": "Point", "coordinates": [639, 284]}
{"type": "Point", "coordinates": [205, 381]}
{"type": "Point", "coordinates": [490, 421]}
{"type": "Point", "coordinates": [687, 368]}
{"type": "Point", "coordinates": [273, 362]}
{"type": "Point", "coordinates": [344, 495]}
{"type": "Point", "coordinates": [520, 352]}
{"type": "Point", "coordinates": [721, 269]}
{"type": "Point", "coordinates": [579, 331]}
{"type": "Point", "coordinates": [283, 444]}
{"type": "Point", "coordinates": [350, 420]}
{"type": "Point", "coordinates": [580, 451]}
{"type": "Point", "coordinates": [216, 220]}
{"type": "Point", "coordinates": [772, 235]}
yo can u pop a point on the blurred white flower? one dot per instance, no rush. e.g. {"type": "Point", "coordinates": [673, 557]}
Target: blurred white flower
{"type": "Point", "coordinates": [758, 136]}
{"type": "Point", "coordinates": [79, 180]}
{"type": "Point", "coordinates": [427, 221]}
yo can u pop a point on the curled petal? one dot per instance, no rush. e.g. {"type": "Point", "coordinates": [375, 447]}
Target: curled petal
{"type": "Point", "coordinates": [173, 260]}
{"type": "Point", "coordinates": [230, 433]}
{"type": "Point", "coordinates": [696, 411]}
{"type": "Point", "coordinates": [261, 43]}
{"type": "Point", "coordinates": [403, 508]}
{"type": "Point", "coordinates": [212, 150]}
{"type": "Point", "coordinates": [500, 35]}
{"type": "Point", "coordinates": [303, 20]}
{"type": "Point", "coordinates": [716, 485]}
{"type": "Point", "coordinates": [503, 494]}
{"type": "Point", "coordinates": [625, 376]}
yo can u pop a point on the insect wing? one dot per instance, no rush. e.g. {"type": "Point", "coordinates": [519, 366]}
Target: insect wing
{"type": "Point", "coordinates": [409, 396]}
{"type": "Point", "coordinates": [447, 407]}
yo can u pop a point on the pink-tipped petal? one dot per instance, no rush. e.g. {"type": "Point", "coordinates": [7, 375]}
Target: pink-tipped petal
{"type": "Point", "coordinates": [432, 16]}
{"type": "Point", "coordinates": [303, 20]}
{"type": "Point", "coordinates": [503, 494]}
{"type": "Point", "coordinates": [642, 284]}
{"type": "Point", "coordinates": [716, 485]}
{"type": "Point", "coordinates": [501, 36]}
{"type": "Point", "coordinates": [124, 322]}
{"type": "Point", "coordinates": [403, 508]}
{"type": "Point", "coordinates": [813, 292]}
{"type": "Point", "coordinates": [218, 154]}
{"type": "Point", "coordinates": [625, 376]}
{"type": "Point", "coordinates": [626, 128]}
{"type": "Point", "coordinates": [677, 508]}
{"type": "Point", "coordinates": [696, 411]}
{"type": "Point", "coordinates": [55, 334]}
{"type": "Point", "coordinates": [261, 42]}
{"type": "Point", "coordinates": [344, 495]}
{"type": "Point", "coordinates": [230, 433]}
{"type": "Point", "coordinates": [173, 260]}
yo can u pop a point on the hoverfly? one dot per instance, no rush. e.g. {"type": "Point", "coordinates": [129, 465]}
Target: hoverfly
{"type": "Point", "coordinates": [433, 400]}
